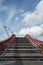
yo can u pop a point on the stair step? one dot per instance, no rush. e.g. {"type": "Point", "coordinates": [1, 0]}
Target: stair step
{"type": "Point", "coordinates": [22, 44]}
{"type": "Point", "coordinates": [31, 47]}
{"type": "Point", "coordinates": [23, 56]}
{"type": "Point", "coordinates": [22, 50]}
{"type": "Point", "coordinates": [20, 58]}
{"type": "Point", "coordinates": [31, 55]}
{"type": "Point", "coordinates": [19, 49]}
{"type": "Point", "coordinates": [18, 62]}
{"type": "Point", "coordinates": [21, 40]}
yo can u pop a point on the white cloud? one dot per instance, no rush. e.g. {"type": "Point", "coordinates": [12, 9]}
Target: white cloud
{"type": "Point", "coordinates": [16, 18]}
{"type": "Point", "coordinates": [3, 8]}
{"type": "Point", "coordinates": [35, 30]}
{"type": "Point", "coordinates": [21, 10]}
{"type": "Point", "coordinates": [11, 14]}
{"type": "Point", "coordinates": [4, 37]}
{"type": "Point", "coordinates": [36, 17]}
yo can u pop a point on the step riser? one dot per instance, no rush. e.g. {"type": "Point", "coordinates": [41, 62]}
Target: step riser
{"type": "Point", "coordinates": [29, 59]}
{"type": "Point", "coordinates": [19, 47]}
{"type": "Point", "coordinates": [22, 51]}
{"type": "Point", "coordinates": [22, 47]}
{"type": "Point", "coordinates": [23, 44]}
{"type": "Point", "coordinates": [21, 40]}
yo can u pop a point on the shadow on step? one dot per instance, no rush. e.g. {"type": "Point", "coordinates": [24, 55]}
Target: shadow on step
{"type": "Point", "coordinates": [18, 60]}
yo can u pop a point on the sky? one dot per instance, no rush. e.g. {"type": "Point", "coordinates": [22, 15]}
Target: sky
{"type": "Point", "coordinates": [22, 17]}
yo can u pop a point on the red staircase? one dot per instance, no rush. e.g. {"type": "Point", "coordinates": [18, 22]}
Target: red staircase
{"type": "Point", "coordinates": [21, 51]}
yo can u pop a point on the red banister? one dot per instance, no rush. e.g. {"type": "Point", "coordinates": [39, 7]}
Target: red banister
{"type": "Point", "coordinates": [5, 43]}
{"type": "Point", "coordinates": [36, 43]}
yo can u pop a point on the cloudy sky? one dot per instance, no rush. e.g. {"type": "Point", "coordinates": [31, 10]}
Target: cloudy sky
{"type": "Point", "coordinates": [22, 17]}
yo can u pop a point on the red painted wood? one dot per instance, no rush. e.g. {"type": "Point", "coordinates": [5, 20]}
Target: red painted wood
{"type": "Point", "coordinates": [5, 43]}
{"type": "Point", "coordinates": [36, 43]}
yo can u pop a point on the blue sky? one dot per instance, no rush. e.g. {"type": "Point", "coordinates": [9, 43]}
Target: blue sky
{"type": "Point", "coordinates": [21, 16]}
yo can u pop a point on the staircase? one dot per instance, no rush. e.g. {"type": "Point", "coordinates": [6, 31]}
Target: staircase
{"type": "Point", "coordinates": [21, 50]}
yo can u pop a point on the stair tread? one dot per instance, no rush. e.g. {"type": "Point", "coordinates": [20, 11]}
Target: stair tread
{"type": "Point", "coordinates": [21, 62]}
{"type": "Point", "coordinates": [20, 46]}
{"type": "Point", "coordinates": [19, 49]}
{"type": "Point", "coordinates": [21, 54]}
{"type": "Point", "coordinates": [12, 49]}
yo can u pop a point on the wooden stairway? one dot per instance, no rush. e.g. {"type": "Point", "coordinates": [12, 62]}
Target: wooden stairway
{"type": "Point", "coordinates": [21, 49]}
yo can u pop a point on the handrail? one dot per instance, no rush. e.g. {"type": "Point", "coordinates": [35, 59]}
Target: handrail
{"type": "Point", "coordinates": [5, 43]}
{"type": "Point", "coordinates": [36, 43]}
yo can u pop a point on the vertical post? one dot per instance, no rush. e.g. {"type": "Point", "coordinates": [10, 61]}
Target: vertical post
{"type": "Point", "coordinates": [6, 31]}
